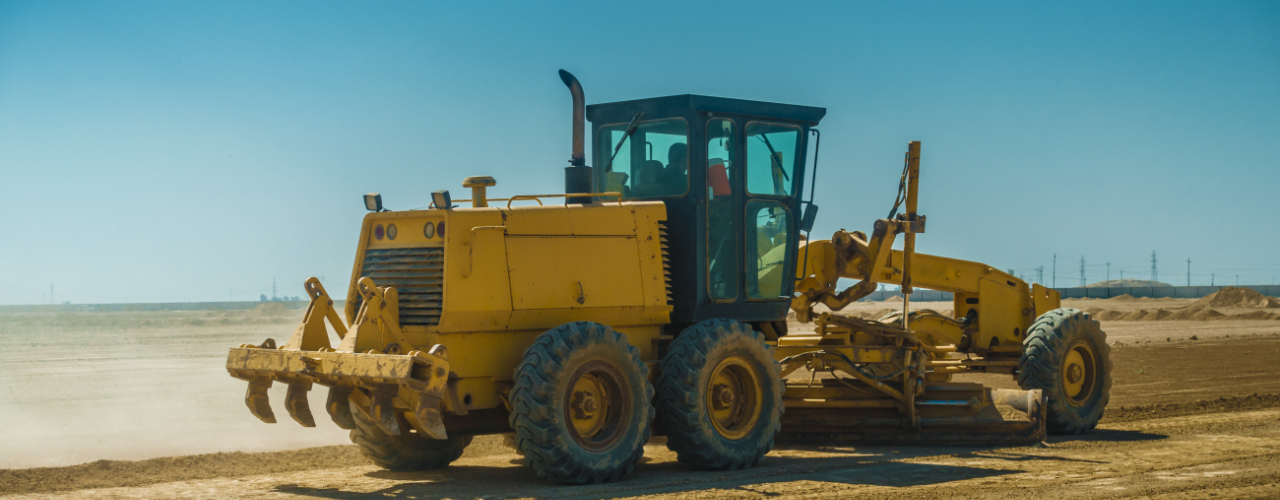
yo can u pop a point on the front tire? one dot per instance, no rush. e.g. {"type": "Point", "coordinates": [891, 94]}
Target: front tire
{"type": "Point", "coordinates": [404, 452]}
{"type": "Point", "coordinates": [1066, 355]}
{"type": "Point", "coordinates": [720, 396]}
{"type": "Point", "coordinates": [580, 405]}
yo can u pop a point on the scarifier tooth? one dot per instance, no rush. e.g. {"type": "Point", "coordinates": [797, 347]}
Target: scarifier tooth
{"type": "Point", "coordinates": [383, 410]}
{"type": "Point", "coordinates": [339, 407]}
{"type": "Point", "coordinates": [258, 402]}
{"type": "Point", "coordinates": [296, 402]}
{"type": "Point", "coordinates": [428, 413]}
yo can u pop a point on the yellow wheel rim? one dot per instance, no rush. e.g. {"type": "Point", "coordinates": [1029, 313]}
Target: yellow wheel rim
{"type": "Point", "coordinates": [595, 405]}
{"type": "Point", "coordinates": [1079, 373]}
{"type": "Point", "coordinates": [585, 404]}
{"type": "Point", "coordinates": [734, 397]}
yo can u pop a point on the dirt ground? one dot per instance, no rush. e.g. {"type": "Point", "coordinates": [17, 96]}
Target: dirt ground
{"type": "Point", "coordinates": [1188, 419]}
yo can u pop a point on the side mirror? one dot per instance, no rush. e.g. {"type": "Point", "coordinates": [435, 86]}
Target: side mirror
{"type": "Point", "coordinates": [810, 214]}
{"type": "Point", "coordinates": [373, 202]}
{"type": "Point", "coordinates": [442, 200]}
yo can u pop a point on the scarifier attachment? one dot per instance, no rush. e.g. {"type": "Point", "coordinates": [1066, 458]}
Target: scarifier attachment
{"type": "Point", "coordinates": [383, 409]}
{"type": "Point", "coordinates": [311, 335]}
{"type": "Point", "coordinates": [369, 359]}
{"type": "Point", "coordinates": [339, 407]}
{"type": "Point", "coordinates": [296, 402]}
{"type": "Point", "coordinates": [257, 400]}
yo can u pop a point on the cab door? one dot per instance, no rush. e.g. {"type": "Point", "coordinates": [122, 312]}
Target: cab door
{"type": "Point", "coordinates": [773, 155]}
{"type": "Point", "coordinates": [723, 211]}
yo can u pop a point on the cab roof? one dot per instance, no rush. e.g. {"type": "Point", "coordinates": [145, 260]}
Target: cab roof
{"type": "Point", "coordinates": [679, 105]}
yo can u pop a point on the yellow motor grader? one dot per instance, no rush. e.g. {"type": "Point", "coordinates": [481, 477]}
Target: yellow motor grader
{"type": "Point", "coordinates": [652, 298]}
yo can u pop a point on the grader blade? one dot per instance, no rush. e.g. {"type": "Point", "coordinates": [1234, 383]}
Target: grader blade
{"type": "Point", "coordinates": [257, 400]}
{"type": "Point", "coordinates": [296, 402]}
{"type": "Point", "coordinates": [339, 407]}
{"type": "Point", "coordinates": [949, 415]}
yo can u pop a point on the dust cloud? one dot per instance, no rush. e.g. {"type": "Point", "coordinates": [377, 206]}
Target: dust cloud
{"type": "Point", "coordinates": [83, 386]}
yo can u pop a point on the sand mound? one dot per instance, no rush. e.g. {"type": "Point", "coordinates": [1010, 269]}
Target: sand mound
{"type": "Point", "coordinates": [1123, 298]}
{"type": "Point", "coordinates": [1255, 315]}
{"type": "Point", "coordinates": [1198, 314]}
{"type": "Point", "coordinates": [113, 473]}
{"type": "Point", "coordinates": [1236, 297]}
{"type": "Point", "coordinates": [117, 473]}
{"type": "Point", "coordinates": [893, 298]}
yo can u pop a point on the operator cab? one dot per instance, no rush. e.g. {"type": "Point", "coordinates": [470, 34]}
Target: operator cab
{"type": "Point", "coordinates": [731, 173]}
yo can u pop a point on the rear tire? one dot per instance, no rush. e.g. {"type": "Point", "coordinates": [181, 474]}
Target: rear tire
{"type": "Point", "coordinates": [405, 452]}
{"type": "Point", "coordinates": [1066, 355]}
{"type": "Point", "coordinates": [580, 405]}
{"type": "Point", "coordinates": [720, 396]}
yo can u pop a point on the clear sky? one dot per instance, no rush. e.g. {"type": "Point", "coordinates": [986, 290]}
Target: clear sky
{"type": "Point", "coordinates": [194, 151]}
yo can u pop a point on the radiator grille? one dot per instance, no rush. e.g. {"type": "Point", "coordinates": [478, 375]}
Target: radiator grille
{"type": "Point", "coordinates": [417, 274]}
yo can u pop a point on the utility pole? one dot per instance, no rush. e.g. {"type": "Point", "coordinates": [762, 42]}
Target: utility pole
{"type": "Point", "coordinates": [1055, 270]}
{"type": "Point", "coordinates": [1188, 271]}
{"type": "Point", "coordinates": [1122, 276]}
{"type": "Point", "coordinates": [1211, 277]}
{"type": "Point", "coordinates": [1082, 280]}
{"type": "Point", "coordinates": [273, 289]}
{"type": "Point", "coordinates": [1040, 275]}
{"type": "Point", "coordinates": [1155, 273]}
{"type": "Point", "coordinates": [1108, 271]}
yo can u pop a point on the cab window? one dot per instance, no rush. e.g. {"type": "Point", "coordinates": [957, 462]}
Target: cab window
{"type": "Point", "coordinates": [768, 229]}
{"type": "Point", "coordinates": [651, 163]}
{"type": "Point", "coordinates": [771, 158]}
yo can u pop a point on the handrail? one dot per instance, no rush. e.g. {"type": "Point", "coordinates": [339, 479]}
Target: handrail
{"type": "Point", "coordinates": [535, 197]}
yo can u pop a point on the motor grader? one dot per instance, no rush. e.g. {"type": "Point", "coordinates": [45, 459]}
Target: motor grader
{"type": "Point", "coordinates": [653, 298]}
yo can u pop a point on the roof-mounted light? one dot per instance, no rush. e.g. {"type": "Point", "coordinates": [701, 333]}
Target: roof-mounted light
{"type": "Point", "coordinates": [373, 202]}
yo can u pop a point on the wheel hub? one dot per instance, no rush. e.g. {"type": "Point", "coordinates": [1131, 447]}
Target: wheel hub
{"type": "Point", "coordinates": [595, 405]}
{"type": "Point", "coordinates": [734, 397]}
{"type": "Point", "coordinates": [1079, 373]}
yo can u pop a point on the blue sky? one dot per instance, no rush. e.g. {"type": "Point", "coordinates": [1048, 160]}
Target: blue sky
{"type": "Point", "coordinates": [189, 151]}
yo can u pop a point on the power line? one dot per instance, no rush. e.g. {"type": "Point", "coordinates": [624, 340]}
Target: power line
{"type": "Point", "coordinates": [1082, 279]}
{"type": "Point", "coordinates": [1055, 270]}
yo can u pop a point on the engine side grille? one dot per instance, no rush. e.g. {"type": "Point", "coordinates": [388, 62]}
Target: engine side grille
{"type": "Point", "coordinates": [666, 258]}
{"type": "Point", "coordinates": [417, 274]}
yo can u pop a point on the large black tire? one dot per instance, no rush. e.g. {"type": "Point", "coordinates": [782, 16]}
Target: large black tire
{"type": "Point", "coordinates": [1066, 355]}
{"type": "Point", "coordinates": [720, 396]}
{"type": "Point", "coordinates": [564, 434]}
{"type": "Point", "coordinates": [407, 451]}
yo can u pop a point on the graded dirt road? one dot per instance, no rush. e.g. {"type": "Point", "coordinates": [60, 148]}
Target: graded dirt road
{"type": "Point", "coordinates": [1232, 454]}
{"type": "Point", "coordinates": [1169, 432]}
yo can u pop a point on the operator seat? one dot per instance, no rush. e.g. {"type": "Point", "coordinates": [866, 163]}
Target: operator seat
{"type": "Point", "coordinates": [676, 174]}
{"type": "Point", "coordinates": [648, 179]}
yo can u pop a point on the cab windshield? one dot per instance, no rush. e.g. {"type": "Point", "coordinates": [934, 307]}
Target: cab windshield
{"type": "Point", "coordinates": [652, 163]}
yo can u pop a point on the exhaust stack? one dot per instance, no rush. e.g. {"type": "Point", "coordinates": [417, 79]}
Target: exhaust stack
{"type": "Point", "coordinates": [577, 176]}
